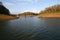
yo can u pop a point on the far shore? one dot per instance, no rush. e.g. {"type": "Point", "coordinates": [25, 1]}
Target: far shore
{"type": "Point", "coordinates": [49, 15]}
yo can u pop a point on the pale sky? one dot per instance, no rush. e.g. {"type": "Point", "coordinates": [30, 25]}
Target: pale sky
{"type": "Point", "coordinates": [18, 6]}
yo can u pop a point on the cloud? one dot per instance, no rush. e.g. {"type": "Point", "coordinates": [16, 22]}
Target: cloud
{"type": "Point", "coordinates": [17, 2]}
{"type": "Point", "coordinates": [28, 1]}
{"type": "Point", "coordinates": [8, 3]}
{"type": "Point", "coordinates": [25, 2]}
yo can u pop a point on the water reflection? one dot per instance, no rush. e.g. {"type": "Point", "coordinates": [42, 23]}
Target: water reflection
{"type": "Point", "coordinates": [30, 28]}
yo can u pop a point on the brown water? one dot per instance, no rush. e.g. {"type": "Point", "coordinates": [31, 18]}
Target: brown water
{"type": "Point", "coordinates": [30, 28]}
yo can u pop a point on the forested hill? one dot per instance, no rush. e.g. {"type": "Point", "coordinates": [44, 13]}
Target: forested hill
{"type": "Point", "coordinates": [52, 9]}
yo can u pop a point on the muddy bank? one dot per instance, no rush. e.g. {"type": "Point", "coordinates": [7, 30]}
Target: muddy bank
{"type": "Point", "coordinates": [49, 15]}
{"type": "Point", "coordinates": [6, 17]}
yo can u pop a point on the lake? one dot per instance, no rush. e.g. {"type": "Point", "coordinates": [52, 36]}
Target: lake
{"type": "Point", "coordinates": [30, 28]}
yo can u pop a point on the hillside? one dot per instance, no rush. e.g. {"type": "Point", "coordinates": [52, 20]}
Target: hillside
{"type": "Point", "coordinates": [28, 14]}
{"type": "Point", "coordinates": [53, 11]}
{"type": "Point", "coordinates": [3, 9]}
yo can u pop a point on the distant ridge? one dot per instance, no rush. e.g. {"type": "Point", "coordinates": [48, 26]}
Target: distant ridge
{"type": "Point", "coordinates": [28, 14]}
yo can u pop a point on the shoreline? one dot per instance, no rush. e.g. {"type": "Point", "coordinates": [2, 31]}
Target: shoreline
{"type": "Point", "coordinates": [49, 15]}
{"type": "Point", "coordinates": [6, 17]}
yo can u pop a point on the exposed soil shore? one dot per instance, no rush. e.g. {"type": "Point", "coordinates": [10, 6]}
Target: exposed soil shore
{"type": "Point", "coordinates": [6, 17]}
{"type": "Point", "coordinates": [49, 15]}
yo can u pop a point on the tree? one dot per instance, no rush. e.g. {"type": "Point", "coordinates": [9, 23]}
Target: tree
{"type": "Point", "coordinates": [4, 10]}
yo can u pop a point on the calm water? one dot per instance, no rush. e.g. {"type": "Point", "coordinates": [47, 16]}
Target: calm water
{"type": "Point", "coordinates": [30, 28]}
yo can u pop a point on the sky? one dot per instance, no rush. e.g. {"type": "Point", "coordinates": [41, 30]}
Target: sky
{"type": "Point", "coordinates": [19, 6]}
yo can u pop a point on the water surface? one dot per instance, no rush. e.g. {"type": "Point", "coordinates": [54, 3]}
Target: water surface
{"type": "Point", "coordinates": [30, 28]}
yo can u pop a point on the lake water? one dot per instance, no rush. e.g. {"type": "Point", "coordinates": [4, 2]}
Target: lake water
{"type": "Point", "coordinates": [30, 28]}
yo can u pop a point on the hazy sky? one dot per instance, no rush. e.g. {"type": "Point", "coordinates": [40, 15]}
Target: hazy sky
{"type": "Point", "coordinates": [18, 6]}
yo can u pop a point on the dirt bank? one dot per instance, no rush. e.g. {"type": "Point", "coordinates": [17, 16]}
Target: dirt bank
{"type": "Point", "coordinates": [6, 17]}
{"type": "Point", "coordinates": [50, 15]}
